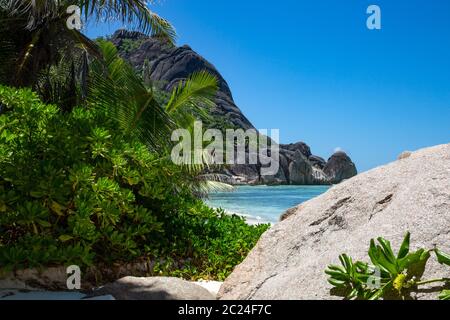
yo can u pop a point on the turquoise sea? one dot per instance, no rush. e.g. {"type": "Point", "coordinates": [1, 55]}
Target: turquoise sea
{"type": "Point", "coordinates": [263, 203]}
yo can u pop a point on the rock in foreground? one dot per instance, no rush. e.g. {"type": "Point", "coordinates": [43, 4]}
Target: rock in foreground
{"type": "Point", "coordinates": [411, 194]}
{"type": "Point", "coordinates": [154, 288]}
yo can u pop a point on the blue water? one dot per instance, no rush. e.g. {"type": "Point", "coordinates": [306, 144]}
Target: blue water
{"type": "Point", "coordinates": [263, 203]}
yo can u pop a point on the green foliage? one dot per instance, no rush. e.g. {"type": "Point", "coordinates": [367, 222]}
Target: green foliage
{"type": "Point", "coordinates": [443, 258]}
{"type": "Point", "coordinates": [38, 50]}
{"type": "Point", "coordinates": [129, 45]}
{"type": "Point", "coordinates": [389, 276]}
{"type": "Point", "coordinates": [445, 295]}
{"type": "Point", "coordinates": [76, 189]}
{"type": "Point", "coordinates": [351, 278]}
{"type": "Point", "coordinates": [116, 88]}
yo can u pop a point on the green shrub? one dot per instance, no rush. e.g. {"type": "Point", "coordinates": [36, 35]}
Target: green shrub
{"type": "Point", "coordinates": [390, 276]}
{"type": "Point", "coordinates": [75, 190]}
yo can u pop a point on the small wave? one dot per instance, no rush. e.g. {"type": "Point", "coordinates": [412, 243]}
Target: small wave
{"type": "Point", "coordinates": [251, 220]}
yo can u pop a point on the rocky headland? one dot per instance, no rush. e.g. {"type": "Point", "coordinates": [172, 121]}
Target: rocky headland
{"type": "Point", "coordinates": [166, 65]}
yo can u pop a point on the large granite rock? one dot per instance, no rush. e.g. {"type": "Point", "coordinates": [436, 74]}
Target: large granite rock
{"type": "Point", "coordinates": [412, 194]}
{"type": "Point", "coordinates": [154, 288]}
{"type": "Point", "coordinates": [243, 174]}
{"type": "Point", "coordinates": [317, 162]}
{"type": "Point", "coordinates": [167, 65]}
{"type": "Point", "coordinates": [300, 170]}
{"type": "Point", "coordinates": [339, 167]}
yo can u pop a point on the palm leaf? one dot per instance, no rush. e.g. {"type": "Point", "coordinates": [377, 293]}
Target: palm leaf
{"type": "Point", "coordinates": [195, 93]}
{"type": "Point", "coordinates": [116, 88]}
{"type": "Point", "coordinates": [135, 13]}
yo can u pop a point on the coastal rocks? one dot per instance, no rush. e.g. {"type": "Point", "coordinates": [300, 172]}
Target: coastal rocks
{"type": "Point", "coordinates": [300, 170]}
{"type": "Point", "coordinates": [279, 178]}
{"type": "Point", "coordinates": [243, 174]}
{"type": "Point", "coordinates": [296, 167]}
{"type": "Point", "coordinates": [339, 167]}
{"type": "Point", "coordinates": [155, 288]}
{"type": "Point", "coordinates": [411, 194]}
{"type": "Point", "coordinates": [302, 147]}
{"type": "Point", "coordinates": [306, 169]}
{"type": "Point", "coordinates": [31, 279]}
{"type": "Point", "coordinates": [317, 162]}
{"type": "Point", "coordinates": [55, 278]}
{"type": "Point", "coordinates": [165, 66]}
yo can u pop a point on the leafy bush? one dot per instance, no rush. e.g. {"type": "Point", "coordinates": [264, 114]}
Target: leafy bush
{"type": "Point", "coordinates": [74, 189]}
{"type": "Point", "coordinates": [390, 276]}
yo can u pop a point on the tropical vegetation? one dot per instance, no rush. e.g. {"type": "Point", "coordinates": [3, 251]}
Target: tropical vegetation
{"type": "Point", "coordinates": [389, 276]}
{"type": "Point", "coordinates": [85, 172]}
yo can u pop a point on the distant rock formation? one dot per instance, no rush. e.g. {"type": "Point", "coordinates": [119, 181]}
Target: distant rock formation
{"type": "Point", "coordinates": [339, 167]}
{"type": "Point", "coordinates": [411, 194]}
{"type": "Point", "coordinates": [168, 65]}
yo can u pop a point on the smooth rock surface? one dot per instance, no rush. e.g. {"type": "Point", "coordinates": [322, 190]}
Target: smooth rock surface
{"type": "Point", "coordinates": [212, 286]}
{"type": "Point", "coordinates": [411, 194]}
{"type": "Point", "coordinates": [154, 288]}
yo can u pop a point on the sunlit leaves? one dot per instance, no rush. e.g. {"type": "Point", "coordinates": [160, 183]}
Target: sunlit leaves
{"type": "Point", "coordinates": [59, 204]}
{"type": "Point", "coordinates": [395, 274]}
{"type": "Point", "coordinates": [443, 258]}
{"type": "Point", "coordinates": [444, 295]}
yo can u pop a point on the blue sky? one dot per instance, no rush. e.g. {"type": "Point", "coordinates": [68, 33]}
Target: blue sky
{"type": "Point", "coordinates": [313, 69]}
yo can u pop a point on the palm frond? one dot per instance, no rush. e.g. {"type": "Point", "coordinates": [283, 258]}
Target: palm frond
{"type": "Point", "coordinates": [33, 11]}
{"type": "Point", "coordinates": [208, 183]}
{"type": "Point", "coordinates": [135, 13]}
{"type": "Point", "coordinates": [191, 99]}
{"type": "Point", "coordinates": [200, 88]}
{"type": "Point", "coordinates": [115, 87]}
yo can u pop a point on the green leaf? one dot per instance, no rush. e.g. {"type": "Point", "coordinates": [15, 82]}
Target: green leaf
{"type": "Point", "coordinates": [387, 250]}
{"type": "Point", "coordinates": [353, 294]}
{"type": "Point", "coordinates": [44, 223]}
{"type": "Point", "coordinates": [443, 258]}
{"type": "Point", "coordinates": [404, 248]}
{"type": "Point", "coordinates": [337, 283]}
{"type": "Point", "coordinates": [415, 263]}
{"type": "Point", "coordinates": [37, 194]}
{"type": "Point", "coordinates": [445, 295]}
{"type": "Point", "coordinates": [337, 275]}
{"type": "Point", "coordinates": [65, 238]}
{"type": "Point", "coordinates": [377, 295]}
{"type": "Point", "coordinates": [383, 257]}
{"type": "Point", "coordinates": [373, 252]}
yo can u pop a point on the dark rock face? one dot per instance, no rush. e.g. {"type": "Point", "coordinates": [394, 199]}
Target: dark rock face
{"type": "Point", "coordinates": [317, 162]}
{"type": "Point", "coordinates": [168, 65]}
{"type": "Point", "coordinates": [340, 167]}
{"type": "Point", "coordinates": [299, 146]}
{"type": "Point", "coordinates": [300, 170]}
{"type": "Point", "coordinates": [243, 174]}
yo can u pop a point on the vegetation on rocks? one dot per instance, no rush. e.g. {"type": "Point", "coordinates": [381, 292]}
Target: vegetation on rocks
{"type": "Point", "coordinates": [390, 276]}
